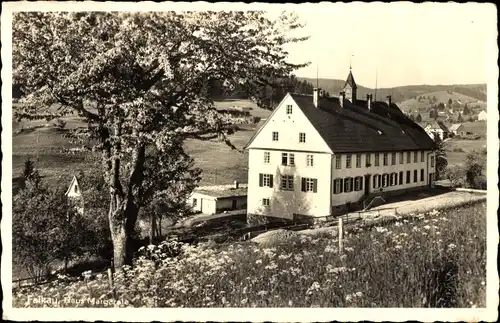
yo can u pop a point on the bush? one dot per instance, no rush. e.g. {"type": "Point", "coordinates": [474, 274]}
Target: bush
{"type": "Point", "coordinates": [46, 228]}
{"type": "Point", "coordinates": [456, 174]}
{"type": "Point", "coordinates": [474, 166]}
{"type": "Point", "coordinates": [458, 150]}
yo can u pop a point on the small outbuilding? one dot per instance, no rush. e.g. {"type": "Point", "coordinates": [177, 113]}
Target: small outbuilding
{"type": "Point", "coordinates": [219, 198]}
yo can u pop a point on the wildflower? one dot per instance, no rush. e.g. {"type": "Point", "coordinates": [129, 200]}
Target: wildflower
{"type": "Point", "coordinates": [427, 227]}
{"type": "Point", "coordinates": [381, 229]}
{"type": "Point", "coordinates": [258, 261]}
{"type": "Point", "coordinates": [359, 294]}
{"type": "Point", "coordinates": [244, 301]}
{"type": "Point", "coordinates": [348, 298]}
{"type": "Point", "coordinates": [329, 248]}
{"type": "Point", "coordinates": [483, 283]}
{"type": "Point", "coordinates": [151, 247]}
{"type": "Point", "coordinates": [349, 249]}
{"type": "Point", "coordinates": [451, 246]}
{"type": "Point", "coordinates": [262, 293]}
{"type": "Point", "coordinates": [290, 303]}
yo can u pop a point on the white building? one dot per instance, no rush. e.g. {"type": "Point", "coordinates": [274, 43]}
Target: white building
{"type": "Point", "coordinates": [482, 115]}
{"type": "Point", "coordinates": [219, 198]}
{"type": "Point", "coordinates": [437, 128]}
{"type": "Point", "coordinates": [317, 156]}
{"type": "Point", "coordinates": [74, 192]}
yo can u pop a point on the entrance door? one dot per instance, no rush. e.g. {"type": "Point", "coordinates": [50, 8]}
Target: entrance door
{"type": "Point", "coordinates": [367, 184]}
{"type": "Point", "coordinates": [431, 179]}
{"type": "Point", "coordinates": [233, 206]}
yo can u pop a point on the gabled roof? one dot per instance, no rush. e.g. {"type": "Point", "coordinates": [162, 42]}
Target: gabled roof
{"type": "Point", "coordinates": [350, 81]}
{"type": "Point", "coordinates": [455, 127]}
{"type": "Point", "coordinates": [223, 191]}
{"type": "Point", "coordinates": [354, 128]}
{"type": "Point", "coordinates": [74, 181]}
{"type": "Point", "coordinates": [438, 125]}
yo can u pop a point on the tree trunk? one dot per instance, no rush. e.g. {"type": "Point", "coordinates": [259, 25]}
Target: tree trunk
{"type": "Point", "coordinates": [152, 229]}
{"type": "Point", "coordinates": [121, 235]}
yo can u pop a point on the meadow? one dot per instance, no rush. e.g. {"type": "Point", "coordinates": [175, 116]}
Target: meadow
{"type": "Point", "coordinates": [437, 259]}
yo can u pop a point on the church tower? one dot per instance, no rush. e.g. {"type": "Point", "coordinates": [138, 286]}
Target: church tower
{"type": "Point", "coordinates": [350, 87]}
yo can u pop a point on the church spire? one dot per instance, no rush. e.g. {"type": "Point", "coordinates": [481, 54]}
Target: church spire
{"type": "Point", "coordinates": [350, 87]}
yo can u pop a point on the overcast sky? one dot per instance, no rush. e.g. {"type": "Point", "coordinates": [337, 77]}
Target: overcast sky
{"type": "Point", "coordinates": [409, 43]}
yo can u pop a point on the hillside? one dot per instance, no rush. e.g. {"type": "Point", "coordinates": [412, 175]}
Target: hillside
{"type": "Point", "coordinates": [424, 101]}
{"type": "Point", "coordinates": [403, 93]}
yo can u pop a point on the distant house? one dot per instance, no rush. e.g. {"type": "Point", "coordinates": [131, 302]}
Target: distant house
{"type": "Point", "coordinates": [74, 193]}
{"type": "Point", "coordinates": [456, 129]}
{"type": "Point", "coordinates": [438, 128]}
{"type": "Point", "coordinates": [219, 198]}
{"type": "Point", "coordinates": [482, 115]}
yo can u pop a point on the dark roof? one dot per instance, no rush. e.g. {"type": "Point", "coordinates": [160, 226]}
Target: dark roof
{"type": "Point", "coordinates": [350, 81]}
{"type": "Point", "coordinates": [354, 128]}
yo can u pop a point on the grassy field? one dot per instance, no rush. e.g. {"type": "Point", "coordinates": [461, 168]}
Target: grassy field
{"type": "Point", "coordinates": [432, 260]}
{"type": "Point", "coordinates": [46, 144]}
{"type": "Point", "coordinates": [457, 149]}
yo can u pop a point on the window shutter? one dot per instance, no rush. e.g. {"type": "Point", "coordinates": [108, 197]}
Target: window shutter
{"type": "Point", "coordinates": [303, 185]}
{"type": "Point", "coordinates": [261, 180]}
{"type": "Point", "coordinates": [361, 183]}
{"type": "Point", "coordinates": [341, 185]}
{"type": "Point", "coordinates": [271, 181]}
{"type": "Point", "coordinates": [315, 185]}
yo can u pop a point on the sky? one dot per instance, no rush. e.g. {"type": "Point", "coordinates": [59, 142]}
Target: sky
{"type": "Point", "coordinates": [430, 43]}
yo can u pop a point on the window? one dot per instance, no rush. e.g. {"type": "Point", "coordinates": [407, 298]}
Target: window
{"type": "Point", "coordinates": [76, 189]}
{"type": "Point", "coordinates": [368, 160]}
{"type": "Point", "coordinates": [265, 180]}
{"type": "Point", "coordinates": [337, 186]}
{"type": "Point", "coordinates": [393, 159]}
{"type": "Point", "coordinates": [401, 157]}
{"type": "Point", "coordinates": [287, 159]}
{"type": "Point", "coordinates": [358, 161]}
{"type": "Point", "coordinates": [422, 175]}
{"type": "Point", "coordinates": [415, 156]}
{"type": "Point", "coordinates": [422, 157]}
{"type": "Point", "coordinates": [310, 160]}
{"type": "Point", "coordinates": [266, 202]}
{"type": "Point", "coordinates": [400, 178]}
{"type": "Point", "coordinates": [287, 182]}
{"type": "Point", "coordinates": [385, 180]}
{"type": "Point", "coordinates": [289, 109]}
{"type": "Point", "coordinates": [338, 159]}
{"type": "Point", "coordinates": [348, 184]}
{"type": "Point", "coordinates": [267, 157]}
{"type": "Point", "coordinates": [348, 161]}
{"type": "Point", "coordinates": [408, 157]}
{"type": "Point", "coordinates": [195, 202]}
{"type": "Point", "coordinates": [376, 181]}
{"type": "Point", "coordinates": [309, 185]}
{"type": "Point", "coordinates": [408, 175]}
{"type": "Point", "coordinates": [415, 176]}
{"type": "Point", "coordinates": [385, 159]}
{"type": "Point", "coordinates": [376, 159]}
{"type": "Point", "coordinates": [392, 179]}
{"type": "Point", "coordinates": [275, 136]}
{"type": "Point", "coordinates": [358, 183]}
{"type": "Point", "coordinates": [432, 161]}
{"type": "Point", "coordinates": [302, 137]}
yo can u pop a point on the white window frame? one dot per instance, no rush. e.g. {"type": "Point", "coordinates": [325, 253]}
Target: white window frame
{"type": "Point", "coordinates": [302, 137]}
{"type": "Point", "coordinates": [415, 157]}
{"type": "Point", "coordinates": [368, 160]}
{"type": "Point", "coordinates": [348, 185]}
{"type": "Point", "coordinates": [276, 136]}
{"type": "Point", "coordinates": [401, 158]}
{"type": "Point", "coordinates": [377, 159]}
{"type": "Point", "coordinates": [408, 157]}
{"type": "Point", "coordinates": [266, 180]}
{"type": "Point", "coordinates": [287, 183]}
{"type": "Point", "coordinates": [289, 109]}
{"type": "Point", "coordinates": [309, 185]}
{"type": "Point", "coordinates": [310, 160]}
{"type": "Point", "coordinates": [266, 202]}
{"type": "Point", "coordinates": [348, 161]}
{"type": "Point", "coordinates": [290, 159]}
{"type": "Point", "coordinates": [338, 162]}
{"type": "Point", "coordinates": [267, 157]}
{"type": "Point", "coordinates": [386, 159]}
{"type": "Point", "coordinates": [393, 159]}
{"type": "Point", "coordinates": [358, 160]}
{"type": "Point", "coordinates": [422, 156]}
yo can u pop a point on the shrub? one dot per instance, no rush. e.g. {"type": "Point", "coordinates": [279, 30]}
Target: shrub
{"type": "Point", "coordinates": [60, 123]}
{"type": "Point", "coordinates": [46, 228]}
{"type": "Point", "coordinates": [474, 166]}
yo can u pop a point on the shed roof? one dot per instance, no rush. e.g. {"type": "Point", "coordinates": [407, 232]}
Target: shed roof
{"type": "Point", "coordinates": [223, 191]}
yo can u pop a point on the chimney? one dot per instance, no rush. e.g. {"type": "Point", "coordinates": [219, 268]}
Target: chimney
{"type": "Point", "coordinates": [316, 96]}
{"type": "Point", "coordinates": [369, 101]}
{"type": "Point", "coordinates": [389, 101]}
{"type": "Point", "coordinates": [342, 98]}
{"type": "Point", "coordinates": [236, 184]}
